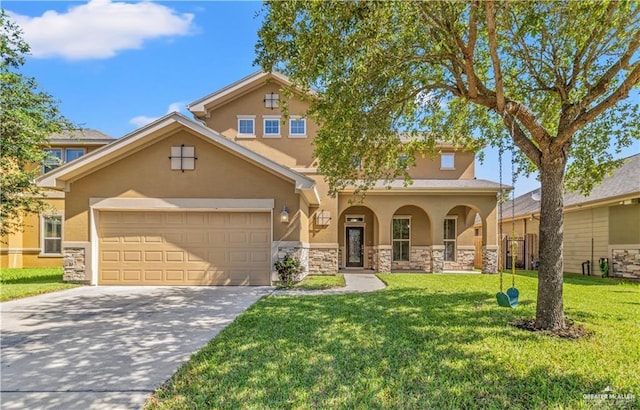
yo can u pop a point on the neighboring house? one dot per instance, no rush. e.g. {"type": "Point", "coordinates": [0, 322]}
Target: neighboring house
{"type": "Point", "coordinates": [39, 244]}
{"type": "Point", "coordinates": [605, 224]}
{"type": "Point", "coordinates": [216, 200]}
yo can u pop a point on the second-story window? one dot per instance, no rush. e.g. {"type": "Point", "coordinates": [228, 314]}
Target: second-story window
{"type": "Point", "coordinates": [297, 128]}
{"type": "Point", "coordinates": [272, 127]}
{"type": "Point", "coordinates": [73, 153]}
{"type": "Point", "coordinates": [59, 156]}
{"type": "Point", "coordinates": [246, 126]}
{"type": "Point", "coordinates": [447, 161]}
{"type": "Point", "coordinates": [53, 159]}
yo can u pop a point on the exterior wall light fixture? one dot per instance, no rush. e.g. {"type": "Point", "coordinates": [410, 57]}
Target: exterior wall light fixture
{"type": "Point", "coordinates": [284, 215]}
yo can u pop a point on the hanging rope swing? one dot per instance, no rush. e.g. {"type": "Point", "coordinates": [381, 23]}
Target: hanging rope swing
{"type": "Point", "coordinates": [510, 298]}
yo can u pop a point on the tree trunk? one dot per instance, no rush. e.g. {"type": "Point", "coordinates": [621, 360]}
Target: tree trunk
{"type": "Point", "coordinates": [549, 310]}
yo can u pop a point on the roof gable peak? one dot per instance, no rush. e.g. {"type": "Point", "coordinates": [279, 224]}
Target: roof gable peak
{"type": "Point", "coordinates": [249, 82]}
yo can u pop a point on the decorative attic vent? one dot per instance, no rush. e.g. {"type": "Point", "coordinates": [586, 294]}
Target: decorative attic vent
{"type": "Point", "coordinates": [271, 100]}
{"type": "Point", "coordinates": [183, 158]}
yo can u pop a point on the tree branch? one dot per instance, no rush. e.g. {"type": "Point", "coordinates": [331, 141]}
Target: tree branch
{"type": "Point", "coordinates": [493, 50]}
{"type": "Point", "coordinates": [469, 49]}
{"type": "Point", "coordinates": [603, 84]}
{"type": "Point", "coordinates": [520, 139]}
{"type": "Point", "coordinates": [529, 121]}
{"type": "Point", "coordinates": [564, 135]}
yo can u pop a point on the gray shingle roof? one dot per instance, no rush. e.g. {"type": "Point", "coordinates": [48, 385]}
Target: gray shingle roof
{"type": "Point", "coordinates": [80, 136]}
{"type": "Point", "coordinates": [440, 184]}
{"type": "Point", "coordinates": [624, 181]}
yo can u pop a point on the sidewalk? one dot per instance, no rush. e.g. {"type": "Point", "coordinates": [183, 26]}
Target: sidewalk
{"type": "Point", "coordinates": [355, 283]}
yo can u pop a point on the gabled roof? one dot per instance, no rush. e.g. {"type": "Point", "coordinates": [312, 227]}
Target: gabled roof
{"type": "Point", "coordinates": [242, 86]}
{"type": "Point", "coordinates": [61, 177]}
{"type": "Point", "coordinates": [82, 136]}
{"type": "Point", "coordinates": [624, 182]}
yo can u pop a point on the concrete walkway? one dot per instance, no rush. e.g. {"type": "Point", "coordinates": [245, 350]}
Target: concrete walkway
{"type": "Point", "coordinates": [355, 283]}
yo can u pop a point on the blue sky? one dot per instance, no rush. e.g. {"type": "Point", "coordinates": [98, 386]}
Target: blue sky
{"type": "Point", "coordinates": [115, 66]}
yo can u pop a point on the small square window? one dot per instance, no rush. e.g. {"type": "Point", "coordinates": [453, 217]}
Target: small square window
{"type": "Point", "coordinates": [271, 126]}
{"type": "Point", "coordinates": [447, 161]}
{"type": "Point", "coordinates": [246, 126]}
{"type": "Point", "coordinates": [297, 127]}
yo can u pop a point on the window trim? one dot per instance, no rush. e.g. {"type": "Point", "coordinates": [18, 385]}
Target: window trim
{"type": "Point", "coordinates": [408, 240]}
{"type": "Point", "coordinates": [252, 118]}
{"type": "Point", "coordinates": [266, 118]}
{"type": "Point", "coordinates": [454, 240]}
{"type": "Point", "coordinates": [451, 155]}
{"type": "Point", "coordinates": [43, 239]}
{"type": "Point", "coordinates": [297, 135]}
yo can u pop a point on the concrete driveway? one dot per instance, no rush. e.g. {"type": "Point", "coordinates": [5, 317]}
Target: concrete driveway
{"type": "Point", "coordinates": [107, 347]}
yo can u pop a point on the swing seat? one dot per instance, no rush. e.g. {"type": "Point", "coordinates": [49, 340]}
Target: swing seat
{"type": "Point", "coordinates": [509, 299]}
{"type": "Point", "coordinates": [503, 299]}
{"type": "Point", "coordinates": [513, 295]}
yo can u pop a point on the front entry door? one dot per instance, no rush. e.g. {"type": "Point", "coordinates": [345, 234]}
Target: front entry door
{"type": "Point", "coordinates": [355, 247]}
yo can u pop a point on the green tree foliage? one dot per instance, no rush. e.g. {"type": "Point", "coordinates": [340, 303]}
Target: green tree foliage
{"type": "Point", "coordinates": [550, 78]}
{"type": "Point", "coordinates": [27, 117]}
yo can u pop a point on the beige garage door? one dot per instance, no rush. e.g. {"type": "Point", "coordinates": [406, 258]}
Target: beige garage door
{"type": "Point", "coordinates": [184, 248]}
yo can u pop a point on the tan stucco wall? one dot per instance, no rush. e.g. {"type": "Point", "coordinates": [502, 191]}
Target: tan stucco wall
{"type": "Point", "coordinates": [218, 174]}
{"type": "Point", "coordinates": [327, 234]}
{"type": "Point", "coordinates": [426, 167]}
{"type": "Point", "coordinates": [292, 152]}
{"type": "Point", "coordinates": [624, 224]}
{"type": "Point", "coordinates": [29, 242]}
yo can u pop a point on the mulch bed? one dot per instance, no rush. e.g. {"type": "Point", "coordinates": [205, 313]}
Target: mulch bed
{"type": "Point", "coordinates": [570, 331]}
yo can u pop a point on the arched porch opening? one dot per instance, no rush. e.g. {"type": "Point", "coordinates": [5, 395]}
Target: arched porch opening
{"type": "Point", "coordinates": [463, 237]}
{"type": "Point", "coordinates": [357, 238]}
{"type": "Point", "coordinates": [411, 240]}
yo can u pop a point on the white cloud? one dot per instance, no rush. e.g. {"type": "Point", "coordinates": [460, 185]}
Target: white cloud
{"type": "Point", "coordinates": [100, 29]}
{"type": "Point", "coordinates": [142, 120]}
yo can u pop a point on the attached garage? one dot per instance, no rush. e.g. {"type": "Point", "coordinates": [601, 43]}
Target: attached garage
{"type": "Point", "coordinates": [184, 248]}
{"type": "Point", "coordinates": [175, 203]}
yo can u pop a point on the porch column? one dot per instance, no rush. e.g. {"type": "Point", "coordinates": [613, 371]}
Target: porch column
{"type": "Point", "coordinates": [490, 243]}
{"type": "Point", "coordinates": [437, 250]}
{"type": "Point", "coordinates": [383, 252]}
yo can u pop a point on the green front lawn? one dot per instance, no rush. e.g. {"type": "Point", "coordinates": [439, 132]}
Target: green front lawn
{"type": "Point", "coordinates": [427, 341]}
{"type": "Point", "coordinates": [19, 283]}
{"type": "Point", "coordinates": [320, 282]}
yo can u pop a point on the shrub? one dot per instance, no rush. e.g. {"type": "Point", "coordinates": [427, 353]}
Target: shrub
{"type": "Point", "coordinates": [288, 270]}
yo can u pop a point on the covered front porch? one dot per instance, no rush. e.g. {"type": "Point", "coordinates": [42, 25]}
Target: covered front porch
{"type": "Point", "coordinates": [417, 232]}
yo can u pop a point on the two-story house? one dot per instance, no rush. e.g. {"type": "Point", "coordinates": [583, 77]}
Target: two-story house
{"type": "Point", "coordinates": [39, 244]}
{"type": "Point", "coordinates": [216, 200]}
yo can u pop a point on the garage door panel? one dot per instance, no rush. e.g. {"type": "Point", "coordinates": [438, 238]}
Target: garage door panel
{"type": "Point", "coordinates": [153, 256]}
{"type": "Point", "coordinates": [259, 238]}
{"type": "Point", "coordinates": [238, 238]}
{"type": "Point", "coordinates": [174, 218]}
{"type": "Point", "coordinates": [182, 248]}
{"type": "Point", "coordinates": [132, 256]}
{"type": "Point", "coordinates": [153, 275]}
{"type": "Point", "coordinates": [174, 256]}
{"type": "Point", "coordinates": [132, 275]}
